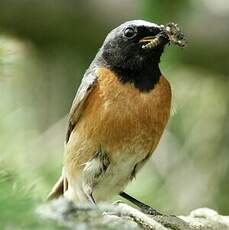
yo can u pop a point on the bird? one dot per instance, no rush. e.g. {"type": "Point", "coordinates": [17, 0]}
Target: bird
{"type": "Point", "coordinates": [118, 116]}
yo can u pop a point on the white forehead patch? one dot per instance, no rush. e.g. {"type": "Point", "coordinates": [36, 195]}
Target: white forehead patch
{"type": "Point", "coordinates": [143, 23]}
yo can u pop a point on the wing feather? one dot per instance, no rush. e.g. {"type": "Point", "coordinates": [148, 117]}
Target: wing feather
{"type": "Point", "coordinates": [87, 84]}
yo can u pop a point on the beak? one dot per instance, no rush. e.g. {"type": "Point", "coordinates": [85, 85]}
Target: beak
{"type": "Point", "coordinates": [147, 39]}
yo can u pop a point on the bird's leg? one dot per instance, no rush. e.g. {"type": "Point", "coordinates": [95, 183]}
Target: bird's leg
{"type": "Point", "coordinates": [144, 207]}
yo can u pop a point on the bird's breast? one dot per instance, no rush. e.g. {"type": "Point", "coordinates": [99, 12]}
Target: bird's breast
{"type": "Point", "coordinates": [118, 116]}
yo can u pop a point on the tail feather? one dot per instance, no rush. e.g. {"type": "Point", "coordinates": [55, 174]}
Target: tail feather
{"type": "Point", "coordinates": [59, 188]}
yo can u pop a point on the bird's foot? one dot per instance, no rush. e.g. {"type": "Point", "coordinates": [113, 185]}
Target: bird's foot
{"type": "Point", "coordinates": [149, 210]}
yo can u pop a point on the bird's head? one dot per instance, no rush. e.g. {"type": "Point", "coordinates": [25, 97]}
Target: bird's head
{"type": "Point", "coordinates": [134, 44]}
{"type": "Point", "coordinates": [133, 51]}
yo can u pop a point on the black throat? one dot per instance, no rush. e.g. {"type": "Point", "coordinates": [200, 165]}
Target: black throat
{"type": "Point", "coordinates": [143, 79]}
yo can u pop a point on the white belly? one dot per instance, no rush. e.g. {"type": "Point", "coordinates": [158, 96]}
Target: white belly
{"type": "Point", "coordinates": [111, 183]}
{"type": "Point", "coordinates": [116, 177]}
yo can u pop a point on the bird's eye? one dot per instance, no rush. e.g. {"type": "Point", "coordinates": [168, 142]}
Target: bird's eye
{"type": "Point", "coordinates": [129, 32]}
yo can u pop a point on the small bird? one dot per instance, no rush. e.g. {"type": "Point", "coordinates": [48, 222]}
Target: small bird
{"type": "Point", "coordinates": [118, 115]}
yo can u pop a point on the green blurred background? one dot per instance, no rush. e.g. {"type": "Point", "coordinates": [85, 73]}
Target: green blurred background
{"type": "Point", "coordinates": [45, 47]}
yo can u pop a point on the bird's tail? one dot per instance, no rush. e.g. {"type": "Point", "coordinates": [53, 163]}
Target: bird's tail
{"type": "Point", "coordinates": [59, 188]}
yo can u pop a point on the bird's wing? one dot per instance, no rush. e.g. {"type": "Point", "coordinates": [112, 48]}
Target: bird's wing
{"type": "Point", "coordinates": [87, 84]}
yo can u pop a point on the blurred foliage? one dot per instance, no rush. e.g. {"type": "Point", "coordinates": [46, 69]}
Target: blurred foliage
{"type": "Point", "coordinates": [17, 204]}
{"type": "Point", "coordinates": [43, 55]}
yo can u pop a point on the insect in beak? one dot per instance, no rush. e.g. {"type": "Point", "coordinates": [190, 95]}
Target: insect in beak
{"type": "Point", "coordinates": [150, 42]}
{"type": "Point", "coordinates": [174, 34]}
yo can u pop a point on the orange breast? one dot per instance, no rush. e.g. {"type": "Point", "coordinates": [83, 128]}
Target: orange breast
{"type": "Point", "coordinates": [120, 118]}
